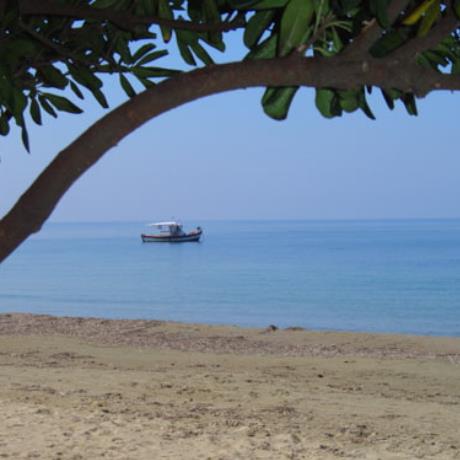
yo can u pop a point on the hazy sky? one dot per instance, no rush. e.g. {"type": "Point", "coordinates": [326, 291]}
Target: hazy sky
{"type": "Point", "coordinates": [222, 158]}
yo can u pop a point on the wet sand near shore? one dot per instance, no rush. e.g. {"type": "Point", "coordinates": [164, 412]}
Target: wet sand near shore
{"type": "Point", "coordinates": [86, 388]}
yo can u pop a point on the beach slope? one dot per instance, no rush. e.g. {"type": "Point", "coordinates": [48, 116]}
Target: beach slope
{"type": "Point", "coordinates": [83, 388]}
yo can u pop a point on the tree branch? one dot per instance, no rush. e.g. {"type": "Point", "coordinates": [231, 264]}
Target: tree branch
{"type": "Point", "coordinates": [123, 20]}
{"type": "Point", "coordinates": [37, 203]}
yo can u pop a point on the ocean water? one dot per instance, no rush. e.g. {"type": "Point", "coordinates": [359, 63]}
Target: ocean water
{"type": "Point", "coordinates": [375, 276]}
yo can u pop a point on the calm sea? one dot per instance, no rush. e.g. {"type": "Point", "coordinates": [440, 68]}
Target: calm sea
{"type": "Point", "coordinates": [385, 276]}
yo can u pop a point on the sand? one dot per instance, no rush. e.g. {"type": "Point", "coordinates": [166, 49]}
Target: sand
{"type": "Point", "coordinates": [82, 388]}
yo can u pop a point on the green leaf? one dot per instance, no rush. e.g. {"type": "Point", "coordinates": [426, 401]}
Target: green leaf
{"type": "Point", "coordinates": [6, 91]}
{"type": "Point", "coordinates": [338, 45]}
{"type": "Point", "coordinates": [218, 45]}
{"type": "Point", "coordinates": [457, 8]}
{"type": "Point", "coordinates": [415, 15]}
{"type": "Point", "coordinates": [364, 106]}
{"type": "Point", "coordinates": [19, 105]}
{"type": "Point", "coordinates": [327, 103]}
{"type": "Point", "coordinates": [126, 85]}
{"type": "Point", "coordinates": [152, 57]}
{"type": "Point", "coordinates": [448, 47]}
{"type": "Point", "coordinates": [154, 72]}
{"type": "Point", "coordinates": [35, 112]}
{"type": "Point", "coordinates": [212, 16]}
{"type": "Point", "coordinates": [122, 47]}
{"type": "Point", "coordinates": [186, 54]}
{"type": "Point", "coordinates": [296, 18]}
{"type": "Point", "coordinates": [165, 12]}
{"type": "Point", "coordinates": [388, 99]}
{"type": "Point", "coordinates": [149, 7]}
{"type": "Point", "coordinates": [22, 48]}
{"type": "Point", "coordinates": [52, 76]}
{"type": "Point", "coordinates": [187, 41]}
{"type": "Point", "coordinates": [76, 90]}
{"type": "Point", "coordinates": [142, 51]}
{"type": "Point", "coordinates": [241, 4]}
{"type": "Point", "coordinates": [105, 3]}
{"type": "Point", "coordinates": [25, 137]}
{"type": "Point", "coordinates": [394, 93]}
{"type": "Point", "coordinates": [194, 10]}
{"type": "Point", "coordinates": [201, 53]}
{"type": "Point", "coordinates": [436, 58]}
{"type": "Point", "coordinates": [350, 7]}
{"type": "Point", "coordinates": [99, 96]}
{"type": "Point", "coordinates": [410, 104]}
{"type": "Point", "coordinates": [455, 70]}
{"type": "Point", "coordinates": [25, 47]}
{"type": "Point", "coordinates": [85, 77]}
{"type": "Point", "coordinates": [389, 42]}
{"type": "Point", "coordinates": [4, 125]}
{"type": "Point", "coordinates": [423, 61]}
{"type": "Point", "coordinates": [266, 50]}
{"type": "Point", "coordinates": [46, 106]}
{"type": "Point", "coordinates": [210, 11]}
{"type": "Point", "coordinates": [349, 100]}
{"type": "Point", "coordinates": [379, 8]}
{"type": "Point", "coordinates": [431, 16]}
{"type": "Point", "coordinates": [184, 38]}
{"type": "Point", "coordinates": [61, 103]}
{"type": "Point", "coordinates": [145, 82]}
{"type": "Point", "coordinates": [256, 26]}
{"type": "Point", "coordinates": [269, 4]}
{"type": "Point", "coordinates": [277, 101]}
{"type": "Point", "coordinates": [256, 4]}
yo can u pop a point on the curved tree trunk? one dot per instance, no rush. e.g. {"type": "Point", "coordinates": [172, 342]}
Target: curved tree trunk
{"type": "Point", "coordinates": [37, 203]}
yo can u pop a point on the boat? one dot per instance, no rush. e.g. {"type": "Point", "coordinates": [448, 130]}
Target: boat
{"type": "Point", "coordinates": [171, 232]}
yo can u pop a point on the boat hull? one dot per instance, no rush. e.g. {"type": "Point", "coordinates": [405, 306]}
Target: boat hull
{"type": "Point", "coordinates": [187, 238]}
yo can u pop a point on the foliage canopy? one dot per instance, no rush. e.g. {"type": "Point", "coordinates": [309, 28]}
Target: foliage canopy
{"type": "Point", "coordinates": [53, 46]}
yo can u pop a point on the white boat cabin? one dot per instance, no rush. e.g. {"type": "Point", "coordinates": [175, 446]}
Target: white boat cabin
{"type": "Point", "coordinates": [171, 228]}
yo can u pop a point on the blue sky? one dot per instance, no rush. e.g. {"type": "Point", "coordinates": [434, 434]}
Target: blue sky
{"type": "Point", "coordinates": [222, 158]}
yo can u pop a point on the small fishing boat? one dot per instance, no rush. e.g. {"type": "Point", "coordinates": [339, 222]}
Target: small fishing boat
{"type": "Point", "coordinates": [171, 232]}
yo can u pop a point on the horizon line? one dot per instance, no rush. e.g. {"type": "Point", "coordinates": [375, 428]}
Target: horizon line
{"type": "Point", "coordinates": [296, 219]}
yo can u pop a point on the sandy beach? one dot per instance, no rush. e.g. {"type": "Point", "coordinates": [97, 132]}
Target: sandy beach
{"type": "Point", "coordinates": [83, 388]}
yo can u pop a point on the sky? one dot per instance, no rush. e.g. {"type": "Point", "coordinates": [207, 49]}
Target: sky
{"type": "Point", "coordinates": [222, 158]}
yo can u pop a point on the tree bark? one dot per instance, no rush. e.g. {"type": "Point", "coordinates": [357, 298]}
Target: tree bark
{"type": "Point", "coordinates": [37, 203]}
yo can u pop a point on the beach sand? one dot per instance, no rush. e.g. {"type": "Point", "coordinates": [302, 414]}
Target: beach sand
{"type": "Point", "coordinates": [82, 388]}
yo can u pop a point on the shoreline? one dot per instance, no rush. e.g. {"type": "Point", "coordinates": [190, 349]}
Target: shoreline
{"type": "Point", "coordinates": [77, 388]}
{"type": "Point", "coordinates": [198, 337]}
{"type": "Point", "coordinates": [268, 325]}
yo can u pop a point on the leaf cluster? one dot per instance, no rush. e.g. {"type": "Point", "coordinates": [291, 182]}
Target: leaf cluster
{"type": "Point", "coordinates": [49, 61]}
{"type": "Point", "coordinates": [42, 56]}
{"type": "Point", "coordinates": [326, 28]}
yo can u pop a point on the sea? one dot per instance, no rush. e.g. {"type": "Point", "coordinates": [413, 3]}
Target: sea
{"type": "Point", "coordinates": [393, 276]}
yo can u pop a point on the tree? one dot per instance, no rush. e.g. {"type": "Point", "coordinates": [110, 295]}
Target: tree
{"type": "Point", "coordinates": [55, 51]}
